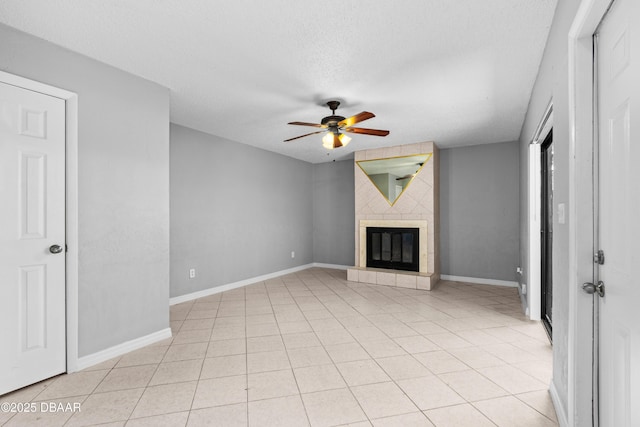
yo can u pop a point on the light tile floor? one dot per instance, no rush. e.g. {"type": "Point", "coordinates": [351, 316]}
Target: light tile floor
{"type": "Point", "coordinates": [313, 349]}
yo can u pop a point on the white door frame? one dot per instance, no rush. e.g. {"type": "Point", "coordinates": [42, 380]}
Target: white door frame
{"type": "Point", "coordinates": [534, 290]}
{"type": "Point", "coordinates": [71, 166]}
{"type": "Point", "coordinates": [581, 145]}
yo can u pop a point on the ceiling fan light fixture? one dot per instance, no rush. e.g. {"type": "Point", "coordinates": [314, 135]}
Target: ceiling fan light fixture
{"type": "Point", "coordinates": [327, 141]}
{"type": "Point", "coordinates": [335, 140]}
{"type": "Point", "coordinates": [344, 139]}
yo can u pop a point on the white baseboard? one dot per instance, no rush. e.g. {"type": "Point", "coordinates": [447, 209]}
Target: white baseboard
{"type": "Point", "coordinates": [510, 283]}
{"type": "Point", "coordinates": [120, 349]}
{"type": "Point", "coordinates": [250, 281]}
{"type": "Point", "coordinates": [236, 285]}
{"type": "Point", "coordinates": [331, 266]}
{"type": "Point", "coordinates": [523, 301]}
{"type": "Point", "coordinates": [561, 414]}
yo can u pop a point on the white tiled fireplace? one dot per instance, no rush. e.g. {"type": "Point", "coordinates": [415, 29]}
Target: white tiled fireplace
{"type": "Point", "coordinates": [417, 207]}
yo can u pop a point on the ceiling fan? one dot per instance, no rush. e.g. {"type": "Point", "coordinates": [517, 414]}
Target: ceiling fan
{"type": "Point", "coordinates": [333, 125]}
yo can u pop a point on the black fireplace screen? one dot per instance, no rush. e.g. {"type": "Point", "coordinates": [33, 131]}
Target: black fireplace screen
{"type": "Point", "coordinates": [394, 248]}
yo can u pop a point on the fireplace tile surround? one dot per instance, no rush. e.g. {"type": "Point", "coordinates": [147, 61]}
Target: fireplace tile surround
{"type": "Point", "coordinates": [417, 207]}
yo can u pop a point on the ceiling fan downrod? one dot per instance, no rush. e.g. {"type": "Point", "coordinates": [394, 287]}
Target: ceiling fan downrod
{"type": "Point", "coordinates": [333, 106]}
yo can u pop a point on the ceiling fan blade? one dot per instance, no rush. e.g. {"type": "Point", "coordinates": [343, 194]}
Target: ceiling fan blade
{"type": "Point", "coordinates": [317, 125]}
{"type": "Point", "coordinates": [376, 132]}
{"type": "Point", "coordinates": [336, 141]}
{"type": "Point", "coordinates": [350, 121]}
{"type": "Point", "coordinates": [302, 136]}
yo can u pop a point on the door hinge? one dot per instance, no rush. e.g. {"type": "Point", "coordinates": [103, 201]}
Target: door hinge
{"type": "Point", "coordinates": [598, 257]}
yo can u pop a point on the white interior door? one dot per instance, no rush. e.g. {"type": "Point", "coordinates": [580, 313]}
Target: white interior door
{"type": "Point", "coordinates": [619, 214]}
{"type": "Point", "coordinates": [32, 222]}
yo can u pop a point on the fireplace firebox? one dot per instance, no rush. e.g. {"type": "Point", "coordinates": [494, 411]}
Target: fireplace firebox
{"type": "Point", "coordinates": [393, 248]}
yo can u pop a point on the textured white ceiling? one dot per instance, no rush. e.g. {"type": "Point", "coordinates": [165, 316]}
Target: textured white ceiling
{"type": "Point", "coordinates": [454, 72]}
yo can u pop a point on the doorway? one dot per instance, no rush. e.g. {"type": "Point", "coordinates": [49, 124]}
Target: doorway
{"type": "Point", "coordinates": [605, 318]}
{"type": "Point", "coordinates": [535, 214]}
{"type": "Point", "coordinates": [32, 237]}
{"type": "Point", "coordinates": [546, 232]}
{"type": "Point", "coordinates": [615, 286]}
{"type": "Point", "coordinates": [31, 166]}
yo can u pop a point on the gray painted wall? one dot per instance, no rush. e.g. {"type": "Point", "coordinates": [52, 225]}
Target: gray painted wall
{"type": "Point", "coordinates": [334, 213]}
{"type": "Point", "coordinates": [123, 189]}
{"type": "Point", "coordinates": [237, 212]}
{"type": "Point", "coordinates": [479, 211]}
{"type": "Point", "coordinates": [552, 82]}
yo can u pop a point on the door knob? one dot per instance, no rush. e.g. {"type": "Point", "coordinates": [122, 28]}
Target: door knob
{"type": "Point", "coordinates": [590, 288]}
{"type": "Point", "coordinates": [55, 249]}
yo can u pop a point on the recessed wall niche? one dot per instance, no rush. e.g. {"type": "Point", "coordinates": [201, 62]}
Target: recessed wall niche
{"type": "Point", "coordinates": [415, 206]}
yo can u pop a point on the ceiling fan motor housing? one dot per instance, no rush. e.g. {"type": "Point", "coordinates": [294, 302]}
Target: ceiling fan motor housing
{"type": "Point", "coordinates": [332, 120]}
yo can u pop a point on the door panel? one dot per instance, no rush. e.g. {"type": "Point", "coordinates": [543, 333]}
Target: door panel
{"type": "Point", "coordinates": [32, 214]}
{"type": "Point", "coordinates": [32, 191]}
{"type": "Point", "coordinates": [618, 207]}
{"type": "Point", "coordinates": [33, 313]}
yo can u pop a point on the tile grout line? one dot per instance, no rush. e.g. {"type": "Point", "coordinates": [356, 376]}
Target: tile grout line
{"type": "Point", "coordinates": [195, 392]}
{"type": "Point", "coordinates": [375, 361]}
{"type": "Point", "coordinates": [288, 357]}
{"type": "Point", "coordinates": [348, 387]}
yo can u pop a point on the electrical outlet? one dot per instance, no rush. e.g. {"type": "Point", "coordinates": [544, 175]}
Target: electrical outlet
{"type": "Point", "coordinates": [293, 254]}
{"type": "Point", "coordinates": [192, 273]}
{"type": "Point", "coordinates": [524, 289]}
